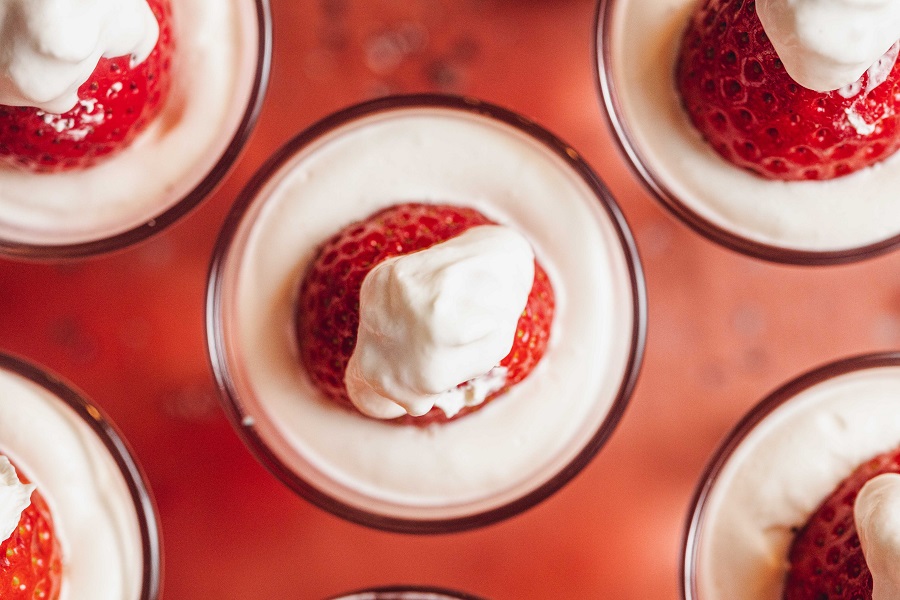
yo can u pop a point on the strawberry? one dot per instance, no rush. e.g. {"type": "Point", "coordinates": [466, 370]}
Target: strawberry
{"type": "Point", "coordinates": [115, 104]}
{"type": "Point", "coordinates": [739, 96]}
{"type": "Point", "coordinates": [30, 560]}
{"type": "Point", "coordinates": [328, 305]}
{"type": "Point", "coordinates": [826, 557]}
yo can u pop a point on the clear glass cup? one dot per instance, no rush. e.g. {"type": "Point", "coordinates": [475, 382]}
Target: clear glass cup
{"type": "Point", "coordinates": [426, 148]}
{"type": "Point", "coordinates": [406, 593]}
{"type": "Point", "coordinates": [777, 465]}
{"type": "Point", "coordinates": [220, 72]}
{"type": "Point", "coordinates": [805, 223]}
{"type": "Point", "coordinates": [98, 497]}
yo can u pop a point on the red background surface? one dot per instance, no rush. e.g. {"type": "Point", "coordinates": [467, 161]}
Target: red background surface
{"type": "Point", "coordinates": [723, 331]}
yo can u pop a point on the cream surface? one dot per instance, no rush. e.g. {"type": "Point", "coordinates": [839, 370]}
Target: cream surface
{"type": "Point", "coordinates": [92, 509]}
{"type": "Point", "coordinates": [48, 48]}
{"type": "Point", "coordinates": [840, 214]}
{"type": "Point", "coordinates": [782, 471]}
{"type": "Point", "coordinates": [213, 72]}
{"type": "Point", "coordinates": [432, 320]}
{"type": "Point", "coordinates": [829, 44]}
{"type": "Point", "coordinates": [15, 497]}
{"type": "Point", "coordinates": [515, 443]}
{"type": "Point", "coordinates": [876, 512]}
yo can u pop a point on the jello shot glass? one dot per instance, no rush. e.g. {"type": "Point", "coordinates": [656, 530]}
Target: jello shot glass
{"type": "Point", "coordinates": [761, 504]}
{"type": "Point", "coordinates": [839, 220]}
{"type": "Point", "coordinates": [217, 62]}
{"type": "Point", "coordinates": [425, 153]}
{"type": "Point", "coordinates": [406, 593]}
{"type": "Point", "coordinates": [102, 512]}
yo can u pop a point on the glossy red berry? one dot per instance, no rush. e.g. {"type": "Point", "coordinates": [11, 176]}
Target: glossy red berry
{"type": "Point", "coordinates": [115, 104]}
{"type": "Point", "coordinates": [328, 304]}
{"type": "Point", "coordinates": [31, 559]}
{"type": "Point", "coordinates": [739, 96]}
{"type": "Point", "coordinates": [826, 557]}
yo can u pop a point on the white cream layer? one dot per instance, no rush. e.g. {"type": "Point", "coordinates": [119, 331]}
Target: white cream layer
{"type": "Point", "coordinates": [516, 442]}
{"type": "Point", "coordinates": [92, 508]}
{"type": "Point", "coordinates": [876, 513]}
{"type": "Point", "coordinates": [15, 497]}
{"type": "Point", "coordinates": [840, 214]}
{"type": "Point", "coordinates": [829, 44]}
{"type": "Point", "coordinates": [213, 70]}
{"type": "Point", "coordinates": [782, 471]}
{"type": "Point", "coordinates": [434, 319]}
{"type": "Point", "coordinates": [49, 48]}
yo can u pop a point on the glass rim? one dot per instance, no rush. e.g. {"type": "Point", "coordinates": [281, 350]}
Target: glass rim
{"type": "Point", "coordinates": [216, 345]}
{"type": "Point", "coordinates": [640, 167]}
{"type": "Point", "coordinates": [402, 592]}
{"type": "Point", "coordinates": [119, 450]}
{"type": "Point", "coordinates": [727, 447]}
{"type": "Point", "coordinates": [201, 190]}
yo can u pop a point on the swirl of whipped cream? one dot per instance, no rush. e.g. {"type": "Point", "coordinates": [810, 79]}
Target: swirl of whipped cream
{"type": "Point", "coordinates": [15, 497]}
{"type": "Point", "coordinates": [876, 512]}
{"type": "Point", "coordinates": [48, 48]}
{"type": "Point", "coordinates": [434, 319]}
{"type": "Point", "coordinates": [829, 44]}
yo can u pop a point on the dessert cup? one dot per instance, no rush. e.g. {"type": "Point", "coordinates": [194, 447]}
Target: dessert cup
{"type": "Point", "coordinates": [102, 510]}
{"type": "Point", "coordinates": [219, 73]}
{"type": "Point", "coordinates": [775, 468]}
{"type": "Point", "coordinates": [405, 593]}
{"type": "Point", "coordinates": [805, 223]}
{"type": "Point", "coordinates": [513, 452]}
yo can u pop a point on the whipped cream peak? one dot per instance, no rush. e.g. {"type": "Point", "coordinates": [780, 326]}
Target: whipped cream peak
{"type": "Point", "coordinates": [828, 44]}
{"type": "Point", "coordinates": [48, 48]}
{"type": "Point", "coordinates": [15, 497]}
{"type": "Point", "coordinates": [877, 515]}
{"type": "Point", "coordinates": [434, 319]}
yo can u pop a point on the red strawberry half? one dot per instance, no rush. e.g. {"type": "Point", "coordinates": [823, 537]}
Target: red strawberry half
{"type": "Point", "coordinates": [328, 305]}
{"type": "Point", "coordinates": [738, 95]}
{"type": "Point", "coordinates": [115, 104]}
{"type": "Point", "coordinates": [826, 557]}
{"type": "Point", "coordinates": [30, 560]}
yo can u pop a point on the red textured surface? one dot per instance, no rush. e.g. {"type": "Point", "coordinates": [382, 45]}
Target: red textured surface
{"type": "Point", "coordinates": [30, 559]}
{"type": "Point", "coordinates": [114, 105]}
{"type": "Point", "coordinates": [328, 297]}
{"type": "Point", "coordinates": [740, 97]}
{"type": "Point", "coordinates": [826, 555]}
{"type": "Point", "coordinates": [723, 331]}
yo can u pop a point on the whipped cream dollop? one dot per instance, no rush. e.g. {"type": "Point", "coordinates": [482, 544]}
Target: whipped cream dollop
{"type": "Point", "coordinates": [15, 497]}
{"type": "Point", "coordinates": [829, 44]}
{"type": "Point", "coordinates": [48, 48]}
{"type": "Point", "coordinates": [437, 318]}
{"type": "Point", "coordinates": [877, 515]}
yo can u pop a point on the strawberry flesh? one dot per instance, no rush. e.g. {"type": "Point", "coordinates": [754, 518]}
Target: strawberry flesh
{"type": "Point", "coordinates": [31, 559]}
{"type": "Point", "coordinates": [739, 96]}
{"type": "Point", "coordinates": [115, 104]}
{"type": "Point", "coordinates": [328, 306]}
{"type": "Point", "coordinates": [827, 561]}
